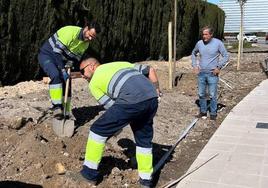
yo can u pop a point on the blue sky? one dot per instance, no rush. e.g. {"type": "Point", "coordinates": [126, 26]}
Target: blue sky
{"type": "Point", "coordinates": [213, 1]}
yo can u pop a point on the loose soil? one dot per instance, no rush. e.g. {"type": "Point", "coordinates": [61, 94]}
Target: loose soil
{"type": "Point", "coordinates": [31, 154]}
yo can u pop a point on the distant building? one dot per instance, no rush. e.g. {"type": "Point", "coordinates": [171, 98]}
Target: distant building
{"type": "Point", "coordinates": [255, 15]}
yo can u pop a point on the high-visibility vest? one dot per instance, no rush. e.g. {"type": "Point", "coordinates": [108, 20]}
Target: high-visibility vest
{"type": "Point", "coordinates": [108, 79]}
{"type": "Point", "coordinates": [69, 42]}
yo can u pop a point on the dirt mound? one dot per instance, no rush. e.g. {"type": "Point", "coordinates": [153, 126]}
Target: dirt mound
{"type": "Point", "coordinates": [30, 153]}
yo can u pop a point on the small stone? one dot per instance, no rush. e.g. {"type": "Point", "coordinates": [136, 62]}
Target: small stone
{"type": "Point", "coordinates": [81, 158]}
{"type": "Point", "coordinates": [46, 176]}
{"type": "Point", "coordinates": [38, 165]}
{"type": "Point", "coordinates": [18, 123]}
{"type": "Point", "coordinates": [66, 154]}
{"type": "Point", "coordinates": [21, 132]}
{"type": "Point", "coordinates": [46, 80]}
{"type": "Point", "coordinates": [63, 145]}
{"type": "Point", "coordinates": [60, 169]}
{"type": "Point", "coordinates": [115, 171]}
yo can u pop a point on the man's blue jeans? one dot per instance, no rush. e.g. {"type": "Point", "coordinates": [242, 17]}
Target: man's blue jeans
{"type": "Point", "coordinates": [211, 81]}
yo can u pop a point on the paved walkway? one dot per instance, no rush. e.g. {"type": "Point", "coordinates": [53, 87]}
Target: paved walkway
{"type": "Point", "coordinates": [241, 142]}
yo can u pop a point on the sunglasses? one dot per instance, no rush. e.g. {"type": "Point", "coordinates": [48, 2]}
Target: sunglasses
{"type": "Point", "coordinates": [82, 71]}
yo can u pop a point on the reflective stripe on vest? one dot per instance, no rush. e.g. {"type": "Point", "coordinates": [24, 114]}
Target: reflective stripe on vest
{"type": "Point", "coordinates": [59, 47]}
{"type": "Point", "coordinates": [140, 67]}
{"type": "Point", "coordinates": [106, 101]}
{"type": "Point", "coordinates": [106, 81]}
{"type": "Point", "coordinates": [118, 80]}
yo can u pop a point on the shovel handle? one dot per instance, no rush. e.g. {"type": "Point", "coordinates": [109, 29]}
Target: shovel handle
{"type": "Point", "coordinates": [66, 91]}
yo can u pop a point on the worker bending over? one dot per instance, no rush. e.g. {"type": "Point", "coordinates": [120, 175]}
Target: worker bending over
{"type": "Point", "coordinates": [130, 98]}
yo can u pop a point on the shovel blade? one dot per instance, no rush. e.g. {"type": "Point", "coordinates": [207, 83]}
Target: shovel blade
{"type": "Point", "coordinates": [63, 128]}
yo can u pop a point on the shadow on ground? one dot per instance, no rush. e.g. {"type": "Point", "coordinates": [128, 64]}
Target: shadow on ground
{"type": "Point", "coordinates": [85, 114]}
{"type": "Point", "coordinates": [17, 184]}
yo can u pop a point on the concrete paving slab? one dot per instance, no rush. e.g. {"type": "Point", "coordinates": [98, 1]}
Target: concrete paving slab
{"type": "Point", "coordinates": [250, 149]}
{"type": "Point", "coordinates": [226, 139]}
{"type": "Point", "coordinates": [237, 179]}
{"type": "Point", "coordinates": [264, 182]}
{"type": "Point", "coordinates": [242, 144]}
{"type": "Point", "coordinates": [265, 170]}
{"type": "Point", "coordinates": [250, 168]}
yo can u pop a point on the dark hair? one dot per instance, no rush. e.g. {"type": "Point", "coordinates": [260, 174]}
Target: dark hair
{"type": "Point", "coordinates": [95, 25]}
{"type": "Point", "coordinates": [85, 56]}
{"type": "Point", "coordinates": [210, 29]}
{"type": "Point", "coordinates": [90, 55]}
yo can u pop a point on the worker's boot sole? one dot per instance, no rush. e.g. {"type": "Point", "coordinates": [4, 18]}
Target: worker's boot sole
{"type": "Point", "coordinates": [78, 177]}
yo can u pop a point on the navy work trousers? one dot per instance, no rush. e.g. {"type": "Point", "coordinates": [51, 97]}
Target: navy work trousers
{"type": "Point", "coordinates": [48, 63]}
{"type": "Point", "coordinates": [139, 116]}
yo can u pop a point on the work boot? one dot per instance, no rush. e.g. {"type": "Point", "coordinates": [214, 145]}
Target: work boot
{"type": "Point", "coordinates": [202, 115]}
{"type": "Point", "coordinates": [78, 177]}
{"type": "Point", "coordinates": [89, 175]}
{"type": "Point", "coordinates": [145, 183]}
{"type": "Point", "coordinates": [213, 117]}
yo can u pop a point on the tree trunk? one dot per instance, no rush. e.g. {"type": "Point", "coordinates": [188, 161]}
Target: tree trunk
{"type": "Point", "coordinates": [175, 34]}
{"type": "Point", "coordinates": [240, 46]}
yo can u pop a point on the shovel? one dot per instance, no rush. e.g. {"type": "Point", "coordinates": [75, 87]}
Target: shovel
{"type": "Point", "coordinates": [64, 127]}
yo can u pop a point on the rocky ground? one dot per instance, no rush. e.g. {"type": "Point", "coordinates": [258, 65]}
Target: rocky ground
{"type": "Point", "coordinates": [32, 156]}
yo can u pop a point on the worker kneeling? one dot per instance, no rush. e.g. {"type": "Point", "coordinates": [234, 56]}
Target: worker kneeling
{"type": "Point", "coordinates": [129, 97]}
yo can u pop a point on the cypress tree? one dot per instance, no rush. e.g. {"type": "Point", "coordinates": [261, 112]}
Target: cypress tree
{"type": "Point", "coordinates": [132, 30]}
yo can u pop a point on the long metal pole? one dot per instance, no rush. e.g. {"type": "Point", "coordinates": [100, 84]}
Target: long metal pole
{"type": "Point", "coordinates": [164, 158]}
{"type": "Point", "coordinates": [242, 23]}
{"type": "Point", "coordinates": [170, 84]}
{"type": "Point", "coordinates": [191, 171]}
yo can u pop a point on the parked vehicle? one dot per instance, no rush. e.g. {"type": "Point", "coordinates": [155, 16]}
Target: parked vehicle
{"type": "Point", "coordinates": [249, 37]}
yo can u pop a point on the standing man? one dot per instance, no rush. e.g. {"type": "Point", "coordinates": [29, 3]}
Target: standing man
{"type": "Point", "coordinates": [68, 44]}
{"type": "Point", "coordinates": [129, 97]}
{"type": "Point", "coordinates": [208, 69]}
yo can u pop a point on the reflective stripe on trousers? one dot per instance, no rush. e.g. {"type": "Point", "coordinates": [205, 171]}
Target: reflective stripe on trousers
{"type": "Point", "coordinates": [94, 150]}
{"type": "Point", "coordinates": [55, 92]}
{"type": "Point", "coordinates": [145, 162]}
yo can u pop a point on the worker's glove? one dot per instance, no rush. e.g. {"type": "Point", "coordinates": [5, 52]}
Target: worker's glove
{"type": "Point", "coordinates": [65, 75]}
